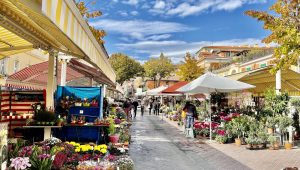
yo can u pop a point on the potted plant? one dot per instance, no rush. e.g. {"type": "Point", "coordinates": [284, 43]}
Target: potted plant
{"type": "Point", "coordinates": [221, 139]}
{"type": "Point", "coordinates": [113, 137]}
{"type": "Point", "coordinates": [44, 117]}
{"type": "Point", "coordinates": [271, 123]}
{"type": "Point", "coordinates": [283, 123]}
{"type": "Point", "coordinates": [250, 141]}
{"type": "Point", "coordinates": [273, 142]}
{"type": "Point", "coordinates": [238, 127]}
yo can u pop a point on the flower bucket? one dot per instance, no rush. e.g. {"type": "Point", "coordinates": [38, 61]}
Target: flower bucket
{"type": "Point", "coordinates": [114, 138]}
{"type": "Point", "coordinates": [288, 145]}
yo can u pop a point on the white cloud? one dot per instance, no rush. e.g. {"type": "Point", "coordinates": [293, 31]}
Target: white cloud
{"type": "Point", "coordinates": [123, 13]}
{"type": "Point", "coordinates": [177, 49]}
{"type": "Point", "coordinates": [134, 13]}
{"type": "Point", "coordinates": [159, 4]}
{"type": "Point", "coordinates": [159, 37]}
{"type": "Point", "coordinates": [141, 29]}
{"type": "Point", "coordinates": [130, 2]}
{"type": "Point", "coordinates": [185, 8]}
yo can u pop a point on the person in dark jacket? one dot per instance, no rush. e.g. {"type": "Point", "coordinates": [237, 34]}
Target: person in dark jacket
{"type": "Point", "coordinates": [150, 106]}
{"type": "Point", "coordinates": [191, 114]}
{"type": "Point", "coordinates": [135, 105]}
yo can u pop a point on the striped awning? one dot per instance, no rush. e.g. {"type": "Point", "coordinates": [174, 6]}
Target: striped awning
{"type": "Point", "coordinates": [36, 76]}
{"type": "Point", "coordinates": [11, 44]}
{"type": "Point", "coordinates": [263, 79]}
{"type": "Point", "coordinates": [54, 24]}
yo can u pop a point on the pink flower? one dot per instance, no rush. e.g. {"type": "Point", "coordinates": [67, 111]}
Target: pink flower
{"type": "Point", "coordinates": [20, 163]}
{"type": "Point", "coordinates": [221, 132]}
{"type": "Point", "coordinates": [44, 156]}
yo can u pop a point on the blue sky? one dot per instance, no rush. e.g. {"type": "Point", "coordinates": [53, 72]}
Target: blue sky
{"type": "Point", "coordinates": [145, 28]}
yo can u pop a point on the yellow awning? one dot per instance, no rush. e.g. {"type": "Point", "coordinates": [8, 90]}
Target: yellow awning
{"type": "Point", "coordinates": [11, 44]}
{"type": "Point", "coordinates": [263, 79]}
{"type": "Point", "coordinates": [53, 24]}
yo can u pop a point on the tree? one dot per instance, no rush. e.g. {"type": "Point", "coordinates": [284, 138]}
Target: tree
{"type": "Point", "coordinates": [285, 28]}
{"type": "Point", "coordinates": [83, 9]}
{"type": "Point", "coordinates": [125, 67]}
{"type": "Point", "coordinates": [158, 68]}
{"type": "Point", "coordinates": [189, 69]}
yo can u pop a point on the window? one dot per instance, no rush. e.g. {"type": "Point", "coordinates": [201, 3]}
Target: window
{"type": "Point", "coordinates": [3, 66]}
{"type": "Point", "coordinates": [16, 66]}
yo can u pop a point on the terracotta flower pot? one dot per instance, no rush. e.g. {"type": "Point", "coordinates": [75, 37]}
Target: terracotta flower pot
{"type": "Point", "coordinates": [288, 145]}
{"type": "Point", "coordinates": [114, 138]}
{"type": "Point", "coordinates": [270, 130]}
{"type": "Point", "coordinates": [238, 142]}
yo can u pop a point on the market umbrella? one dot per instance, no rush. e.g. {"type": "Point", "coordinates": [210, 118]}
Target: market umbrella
{"type": "Point", "coordinates": [156, 92]}
{"type": "Point", "coordinates": [210, 83]}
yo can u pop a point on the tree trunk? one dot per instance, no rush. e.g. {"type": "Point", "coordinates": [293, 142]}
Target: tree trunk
{"type": "Point", "coordinates": [158, 83]}
{"type": "Point", "coordinates": [154, 82]}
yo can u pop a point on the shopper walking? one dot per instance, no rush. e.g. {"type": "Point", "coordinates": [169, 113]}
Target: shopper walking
{"type": "Point", "coordinates": [157, 107]}
{"type": "Point", "coordinates": [135, 105]}
{"type": "Point", "coordinates": [127, 108]}
{"type": "Point", "coordinates": [143, 103]}
{"type": "Point", "coordinates": [150, 106]}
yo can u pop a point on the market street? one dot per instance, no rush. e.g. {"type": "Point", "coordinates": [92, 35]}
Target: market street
{"type": "Point", "coordinates": [158, 145]}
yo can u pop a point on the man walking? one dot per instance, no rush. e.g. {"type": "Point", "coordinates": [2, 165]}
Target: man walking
{"type": "Point", "coordinates": [135, 105]}
{"type": "Point", "coordinates": [143, 103]}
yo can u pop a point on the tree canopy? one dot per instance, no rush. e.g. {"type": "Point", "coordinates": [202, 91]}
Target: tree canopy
{"type": "Point", "coordinates": [125, 67]}
{"type": "Point", "coordinates": [285, 28]}
{"type": "Point", "coordinates": [84, 11]}
{"type": "Point", "coordinates": [161, 66]}
{"type": "Point", "coordinates": [189, 69]}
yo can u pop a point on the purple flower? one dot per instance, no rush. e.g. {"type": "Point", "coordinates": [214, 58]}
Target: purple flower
{"type": "Point", "coordinates": [44, 156]}
{"type": "Point", "coordinates": [45, 147]}
{"type": "Point", "coordinates": [25, 151]}
{"type": "Point", "coordinates": [20, 163]}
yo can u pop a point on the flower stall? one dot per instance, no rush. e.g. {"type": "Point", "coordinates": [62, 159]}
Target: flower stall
{"type": "Point", "coordinates": [82, 109]}
{"type": "Point", "coordinates": [54, 154]}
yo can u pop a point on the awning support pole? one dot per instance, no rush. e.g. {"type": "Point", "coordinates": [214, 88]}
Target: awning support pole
{"type": "Point", "coordinates": [51, 83]}
{"type": "Point", "coordinates": [63, 73]}
{"type": "Point", "coordinates": [278, 82]}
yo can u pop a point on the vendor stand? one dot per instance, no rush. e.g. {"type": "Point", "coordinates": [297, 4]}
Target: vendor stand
{"type": "Point", "coordinates": [83, 118]}
{"type": "Point", "coordinates": [17, 107]}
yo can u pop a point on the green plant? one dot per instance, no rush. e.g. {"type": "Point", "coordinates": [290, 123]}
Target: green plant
{"type": "Point", "coordinates": [271, 122]}
{"type": "Point", "coordinates": [112, 128]}
{"type": "Point", "coordinates": [272, 139]}
{"type": "Point", "coordinates": [250, 140]}
{"type": "Point", "coordinates": [221, 138]}
{"type": "Point", "coordinates": [278, 104]}
{"type": "Point", "coordinates": [238, 126]}
{"type": "Point", "coordinates": [45, 116]}
{"type": "Point", "coordinates": [40, 160]}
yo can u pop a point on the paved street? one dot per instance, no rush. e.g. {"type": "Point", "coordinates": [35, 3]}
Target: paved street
{"type": "Point", "coordinates": [158, 145]}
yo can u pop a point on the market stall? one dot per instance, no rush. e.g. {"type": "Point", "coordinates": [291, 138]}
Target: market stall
{"type": "Point", "coordinates": [17, 106]}
{"type": "Point", "coordinates": [84, 107]}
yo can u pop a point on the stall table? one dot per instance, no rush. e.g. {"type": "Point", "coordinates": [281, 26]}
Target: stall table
{"type": "Point", "coordinates": [47, 130]}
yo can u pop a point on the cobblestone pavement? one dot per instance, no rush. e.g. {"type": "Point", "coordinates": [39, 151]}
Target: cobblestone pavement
{"type": "Point", "coordinates": [158, 145]}
{"type": "Point", "coordinates": [258, 159]}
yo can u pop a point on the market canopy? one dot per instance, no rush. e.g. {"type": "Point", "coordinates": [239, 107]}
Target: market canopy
{"type": "Point", "coordinates": [156, 92]}
{"type": "Point", "coordinates": [35, 76]}
{"type": "Point", "coordinates": [209, 83]}
{"type": "Point", "coordinates": [263, 80]}
{"type": "Point", "coordinates": [50, 25]}
{"type": "Point", "coordinates": [172, 89]}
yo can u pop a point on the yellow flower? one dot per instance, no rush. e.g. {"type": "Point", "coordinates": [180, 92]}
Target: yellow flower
{"type": "Point", "coordinates": [77, 150]}
{"type": "Point", "coordinates": [103, 151]}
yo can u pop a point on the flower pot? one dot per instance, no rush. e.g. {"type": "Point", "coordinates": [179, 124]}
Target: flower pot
{"type": "Point", "coordinates": [238, 142]}
{"type": "Point", "coordinates": [288, 145]}
{"type": "Point", "coordinates": [59, 123]}
{"type": "Point", "coordinates": [114, 138]}
{"type": "Point", "coordinates": [276, 146]}
{"type": "Point", "coordinates": [249, 146]}
{"type": "Point", "coordinates": [270, 130]}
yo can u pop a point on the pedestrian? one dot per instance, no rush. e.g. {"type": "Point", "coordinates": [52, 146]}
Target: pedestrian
{"type": "Point", "coordinates": [143, 103]}
{"type": "Point", "coordinates": [135, 104]}
{"type": "Point", "coordinates": [150, 106]}
{"type": "Point", "coordinates": [191, 114]}
{"type": "Point", "coordinates": [127, 108]}
{"type": "Point", "coordinates": [157, 107]}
